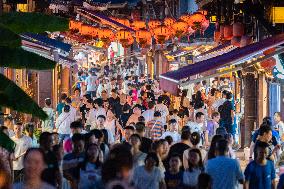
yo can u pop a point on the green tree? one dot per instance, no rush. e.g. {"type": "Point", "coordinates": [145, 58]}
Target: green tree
{"type": "Point", "coordinates": [13, 56]}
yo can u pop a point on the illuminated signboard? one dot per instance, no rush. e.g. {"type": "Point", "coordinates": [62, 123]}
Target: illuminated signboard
{"type": "Point", "coordinates": [277, 15]}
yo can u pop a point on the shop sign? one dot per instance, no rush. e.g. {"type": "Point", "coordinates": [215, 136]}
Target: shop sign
{"type": "Point", "coordinates": [277, 15]}
{"type": "Point", "coordinates": [173, 66]}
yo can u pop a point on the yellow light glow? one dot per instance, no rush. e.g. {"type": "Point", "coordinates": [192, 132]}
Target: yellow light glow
{"type": "Point", "coordinates": [22, 7]}
{"type": "Point", "coordinates": [277, 15]}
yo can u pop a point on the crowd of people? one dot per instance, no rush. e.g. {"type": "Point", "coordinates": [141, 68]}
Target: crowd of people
{"type": "Point", "coordinates": [119, 130]}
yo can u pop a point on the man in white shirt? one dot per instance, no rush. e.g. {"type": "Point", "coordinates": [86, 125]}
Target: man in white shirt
{"type": "Point", "coordinates": [63, 123]}
{"type": "Point", "coordinates": [199, 124]}
{"type": "Point", "coordinates": [99, 107]}
{"type": "Point", "coordinates": [173, 131]}
{"type": "Point", "coordinates": [219, 102]}
{"type": "Point", "coordinates": [149, 114]}
{"type": "Point", "coordinates": [23, 143]}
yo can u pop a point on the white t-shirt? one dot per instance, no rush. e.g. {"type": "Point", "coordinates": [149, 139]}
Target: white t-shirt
{"type": "Point", "coordinates": [175, 135]}
{"type": "Point", "coordinates": [280, 127]}
{"type": "Point", "coordinates": [91, 83]}
{"type": "Point", "coordinates": [22, 145]}
{"type": "Point", "coordinates": [148, 115]}
{"type": "Point", "coordinates": [196, 127]}
{"type": "Point", "coordinates": [110, 125]}
{"type": "Point", "coordinates": [63, 123]}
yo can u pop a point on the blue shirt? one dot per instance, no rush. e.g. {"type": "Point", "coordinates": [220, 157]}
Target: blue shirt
{"type": "Point", "coordinates": [60, 107]}
{"type": "Point", "coordinates": [225, 172]}
{"type": "Point", "coordinates": [260, 176]}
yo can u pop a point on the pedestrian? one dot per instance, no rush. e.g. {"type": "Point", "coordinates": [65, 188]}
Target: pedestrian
{"type": "Point", "coordinates": [34, 164]}
{"type": "Point", "coordinates": [48, 124]}
{"type": "Point", "coordinates": [62, 125]}
{"type": "Point", "coordinates": [91, 83]}
{"type": "Point", "coordinates": [149, 175]}
{"type": "Point", "coordinates": [174, 175]}
{"type": "Point", "coordinates": [225, 172]}
{"type": "Point", "coordinates": [23, 143]}
{"type": "Point", "coordinates": [173, 131]}
{"type": "Point", "coordinates": [260, 173]}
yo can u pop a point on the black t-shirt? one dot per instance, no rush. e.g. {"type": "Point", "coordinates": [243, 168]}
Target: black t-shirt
{"type": "Point", "coordinates": [118, 109]}
{"type": "Point", "coordinates": [174, 181]}
{"type": "Point", "coordinates": [178, 148]}
{"type": "Point", "coordinates": [225, 111]}
{"type": "Point", "coordinates": [145, 145]}
{"type": "Point", "coordinates": [49, 174]}
{"type": "Point", "coordinates": [166, 100]}
{"type": "Point", "coordinates": [113, 102]}
{"type": "Point", "coordinates": [84, 110]}
{"type": "Point", "coordinates": [150, 95]}
{"type": "Point", "coordinates": [123, 119]}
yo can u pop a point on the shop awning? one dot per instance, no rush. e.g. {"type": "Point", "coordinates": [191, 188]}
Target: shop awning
{"type": "Point", "coordinates": [171, 80]}
{"type": "Point", "coordinates": [103, 18]}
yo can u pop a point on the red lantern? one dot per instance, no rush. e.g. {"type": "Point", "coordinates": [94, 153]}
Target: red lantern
{"type": "Point", "coordinates": [185, 18]}
{"type": "Point", "coordinates": [238, 29]}
{"type": "Point", "coordinates": [268, 63]}
{"type": "Point", "coordinates": [179, 28]}
{"type": "Point", "coordinates": [86, 30]}
{"type": "Point", "coordinates": [228, 32]}
{"type": "Point", "coordinates": [106, 35]}
{"type": "Point", "coordinates": [75, 25]}
{"type": "Point", "coordinates": [161, 34]}
{"type": "Point", "coordinates": [153, 24]}
{"type": "Point", "coordinates": [143, 37]}
{"type": "Point", "coordinates": [196, 20]}
{"type": "Point", "coordinates": [138, 24]}
{"type": "Point", "coordinates": [125, 38]}
{"type": "Point", "coordinates": [245, 40]}
{"type": "Point", "coordinates": [169, 21]}
{"type": "Point", "coordinates": [269, 51]}
{"type": "Point", "coordinates": [236, 41]}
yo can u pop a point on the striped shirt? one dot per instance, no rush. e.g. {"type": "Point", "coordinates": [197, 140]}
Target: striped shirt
{"type": "Point", "coordinates": [156, 129]}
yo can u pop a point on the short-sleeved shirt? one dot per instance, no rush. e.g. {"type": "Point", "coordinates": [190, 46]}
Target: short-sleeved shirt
{"type": "Point", "coordinates": [156, 129]}
{"type": "Point", "coordinates": [225, 172]}
{"type": "Point", "coordinates": [59, 107]}
{"type": "Point", "coordinates": [260, 176]}
{"type": "Point", "coordinates": [91, 83]}
{"type": "Point", "coordinates": [143, 179]}
{"type": "Point", "coordinates": [174, 181]}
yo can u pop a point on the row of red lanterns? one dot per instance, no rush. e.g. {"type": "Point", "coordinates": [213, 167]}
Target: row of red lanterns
{"type": "Point", "coordinates": [161, 31]}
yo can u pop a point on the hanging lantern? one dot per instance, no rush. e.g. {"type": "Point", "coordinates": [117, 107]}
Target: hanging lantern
{"type": "Point", "coordinates": [106, 35]}
{"type": "Point", "coordinates": [228, 32]}
{"type": "Point", "coordinates": [268, 64]}
{"type": "Point", "coordinates": [124, 37]}
{"type": "Point", "coordinates": [269, 51]}
{"type": "Point", "coordinates": [138, 24]}
{"type": "Point", "coordinates": [245, 40]}
{"type": "Point", "coordinates": [185, 18]}
{"type": "Point", "coordinates": [180, 28]}
{"type": "Point", "coordinates": [143, 37]}
{"type": "Point", "coordinates": [217, 36]}
{"type": "Point", "coordinates": [123, 21]}
{"type": "Point", "coordinates": [153, 24]}
{"type": "Point", "coordinates": [236, 41]}
{"type": "Point", "coordinates": [238, 29]}
{"type": "Point", "coordinates": [161, 34]}
{"type": "Point", "coordinates": [196, 20]}
{"type": "Point", "coordinates": [75, 25]}
{"type": "Point", "coordinates": [86, 30]}
{"type": "Point", "coordinates": [169, 21]}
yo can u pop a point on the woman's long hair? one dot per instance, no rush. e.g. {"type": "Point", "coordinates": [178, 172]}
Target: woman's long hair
{"type": "Point", "coordinates": [200, 163]}
{"type": "Point", "coordinates": [212, 149]}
